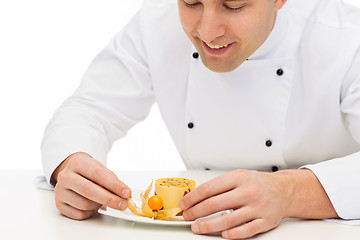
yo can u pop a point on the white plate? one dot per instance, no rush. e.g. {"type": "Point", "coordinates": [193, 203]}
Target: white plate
{"type": "Point", "coordinates": [129, 216]}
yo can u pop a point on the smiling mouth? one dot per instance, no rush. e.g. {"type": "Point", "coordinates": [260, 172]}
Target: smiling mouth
{"type": "Point", "coordinates": [216, 46]}
{"type": "Point", "coordinates": [216, 49]}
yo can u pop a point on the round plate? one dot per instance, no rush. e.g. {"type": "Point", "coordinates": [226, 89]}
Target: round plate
{"type": "Point", "coordinates": [129, 216]}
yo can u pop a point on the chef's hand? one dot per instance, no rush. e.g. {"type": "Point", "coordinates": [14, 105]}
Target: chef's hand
{"type": "Point", "coordinates": [84, 184]}
{"type": "Point", "coordinates": [260, 200]}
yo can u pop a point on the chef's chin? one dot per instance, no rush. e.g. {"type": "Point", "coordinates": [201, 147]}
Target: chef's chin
{"type": "Point", "coordinates": [221, 66]}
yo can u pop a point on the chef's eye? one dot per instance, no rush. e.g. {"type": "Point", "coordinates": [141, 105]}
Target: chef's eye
{"type": "Point", "coordinates": [191, 5]}
{"type": "Point", "coordinates": [233, 8]}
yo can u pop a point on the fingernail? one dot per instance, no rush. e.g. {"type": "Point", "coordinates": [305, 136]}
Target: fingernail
{"type": "Point", "coordinates": [182, 204]}
{"type": "Point", "coordinates": [225, 234]}
{"type": "Point", "coordinates": [123, 205]}
{"type": "Point", "coordinates": [195, 228]}
{"type": "Point", "coordinates": [125, 193]}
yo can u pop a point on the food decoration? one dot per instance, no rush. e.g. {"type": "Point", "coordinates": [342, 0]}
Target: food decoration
{"type": "Point", "coordinates": [165, 203]}
{"type": "Point", "coordinates": [155, 203]}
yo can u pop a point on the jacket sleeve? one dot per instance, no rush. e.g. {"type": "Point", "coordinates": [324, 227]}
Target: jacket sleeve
{"type": "Point", "coordinates": [341, 177]}
{"type": "Point", "coordinates": [115, 93]}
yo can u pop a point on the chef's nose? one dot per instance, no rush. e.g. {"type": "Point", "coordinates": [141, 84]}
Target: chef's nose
{"type": "Point", "coordinates": [211, 26]}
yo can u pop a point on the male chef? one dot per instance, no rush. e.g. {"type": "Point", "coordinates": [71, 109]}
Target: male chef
{"type": "Point", "coordinates": [266, 89]}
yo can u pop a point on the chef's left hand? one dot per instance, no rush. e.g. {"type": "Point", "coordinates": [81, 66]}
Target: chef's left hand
{"type": "Point", "coordinates": [258, 199]}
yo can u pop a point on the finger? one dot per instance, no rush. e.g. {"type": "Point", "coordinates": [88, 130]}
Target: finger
{"type": "Point", "coordinates": [228, 200]}
{"type": "Point", "coordinates": [72, 212]}
{"type": "Point", "coordinates": [92, 191]}
{"type": "Point", "coordinates": [224, 222]}
{"type": "Point", "coordinates": [213, 187]}
{"type": "Point", "coordinates": [98, 173]}
{"type": "Point", "coordinates": [77, 201]}
{"type": "Point", "coordinates": [246, 230]}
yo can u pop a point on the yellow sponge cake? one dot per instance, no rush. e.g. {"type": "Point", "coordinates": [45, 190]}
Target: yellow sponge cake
{"type": "Point", "coordinates": [171, 190]}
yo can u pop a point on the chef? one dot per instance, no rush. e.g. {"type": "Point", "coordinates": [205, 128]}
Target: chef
{"type": "Point", "coordinates": [267, 89]}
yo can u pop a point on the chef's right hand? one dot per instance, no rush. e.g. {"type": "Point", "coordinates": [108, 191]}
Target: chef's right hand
{"type": "Point", "coordinates": [84, 185]}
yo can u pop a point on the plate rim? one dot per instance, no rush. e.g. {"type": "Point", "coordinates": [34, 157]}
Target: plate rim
{"type": "Point", "coordinates": [128, 216]}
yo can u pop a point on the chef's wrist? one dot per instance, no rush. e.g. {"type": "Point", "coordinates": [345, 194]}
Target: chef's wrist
{"type": "Point", "coordinates": [304, 195]}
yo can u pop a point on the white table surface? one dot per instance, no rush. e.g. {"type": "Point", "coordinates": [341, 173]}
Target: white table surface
{"type": "Point", "coordinates": [30, 213]}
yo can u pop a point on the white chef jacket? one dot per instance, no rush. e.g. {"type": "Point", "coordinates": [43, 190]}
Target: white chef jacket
{"type": "Point", "coordinates": [294, 103]}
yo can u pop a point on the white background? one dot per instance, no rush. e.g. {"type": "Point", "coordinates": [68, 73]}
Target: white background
{"type": "Point", "coordinates": [45, 47]}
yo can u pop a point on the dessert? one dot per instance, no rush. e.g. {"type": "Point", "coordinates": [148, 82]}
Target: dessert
{"type": "Point", "coordinates": [165, 203]}
{"type": "Point", "coordinates": [171, 190]}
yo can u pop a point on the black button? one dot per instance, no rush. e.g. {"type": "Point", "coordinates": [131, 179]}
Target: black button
{"type": "Point", "coordinates": [274, 169]}
{"type": "Point", "coordinates": [190, 125]}
{"type": "Point", "coordinates": [268, 143]}
{"type": "Point", "coordinates": [280, 72]}
{"type": "Point", "coordinates": [196, 55]}
{"type": "Point", "coordinates": [207, 169]}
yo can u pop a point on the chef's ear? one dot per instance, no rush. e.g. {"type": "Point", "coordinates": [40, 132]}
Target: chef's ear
{"type": "Point", "coordinates": [279, 4]}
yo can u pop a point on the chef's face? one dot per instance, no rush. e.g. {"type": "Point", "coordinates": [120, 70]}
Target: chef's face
{"type": "Point", "coordinates": [227, 32]}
